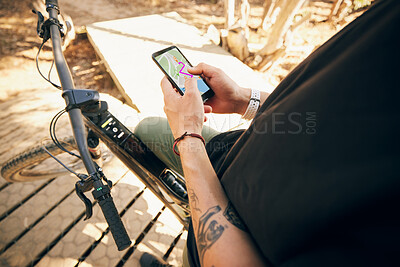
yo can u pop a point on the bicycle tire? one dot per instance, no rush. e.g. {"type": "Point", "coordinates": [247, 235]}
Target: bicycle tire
{"type": "Point", "coordinates": [20, 168]}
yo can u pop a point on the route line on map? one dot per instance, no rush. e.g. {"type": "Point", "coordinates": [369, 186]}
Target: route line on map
{"type": "Point", "coordinates": [191, 76]}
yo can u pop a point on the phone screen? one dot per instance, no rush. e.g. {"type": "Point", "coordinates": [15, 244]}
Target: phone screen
{"type": "Point", "coordinates": [174, 64]}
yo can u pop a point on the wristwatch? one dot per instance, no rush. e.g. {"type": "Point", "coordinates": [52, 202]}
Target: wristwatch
{"type": "Point", "coordinates": [253, 106]}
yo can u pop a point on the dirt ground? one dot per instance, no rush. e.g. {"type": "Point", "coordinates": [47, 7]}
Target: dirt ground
{"type": "Point", "coordinates": [19, 43]}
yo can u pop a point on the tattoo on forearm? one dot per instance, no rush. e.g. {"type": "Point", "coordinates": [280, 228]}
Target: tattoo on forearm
{"type": "Point", "coordinates": [194, 200]}
{"type": "Point", "coordinates": [231, 215]}
{"type": "Point", "coordinates": [206, 237]}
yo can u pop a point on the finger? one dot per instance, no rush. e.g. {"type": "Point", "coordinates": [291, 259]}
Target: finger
{"type": "Point", "coordinates": [191, 86]}
{"type": "Point", "coordinates": [210, 102]}
{"type": "Point", "coordinates": [168, 89]}
{"type": "Point", "coordinates": [166, 86]}
{"type": "Point", "coordinates": [203, 68]}
{"type": "Point", "coordinates": [207, 109]}
{"type": "Point", "coordinates": [205, 118]}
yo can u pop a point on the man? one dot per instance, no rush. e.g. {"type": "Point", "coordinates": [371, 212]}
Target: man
{"type": "Point", "coordinates": [314, 180]}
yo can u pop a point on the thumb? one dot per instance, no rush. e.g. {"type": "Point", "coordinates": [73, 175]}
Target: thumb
{"type": "Point", "coordinates": [197, 70]}
{"type": "Point", "coordinates": [194, 70]}
{"type": "Point", "coordinates": [204, 69]}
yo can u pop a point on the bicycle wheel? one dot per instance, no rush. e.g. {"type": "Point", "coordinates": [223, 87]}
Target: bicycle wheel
{"type": "Point", "coordinates": [35, 164]}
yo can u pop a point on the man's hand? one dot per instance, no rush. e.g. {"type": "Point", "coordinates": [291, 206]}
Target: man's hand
{"type": "Point", "coordinates": [185, 113]}
{"type": "Point", "coordinates": [229, 97]}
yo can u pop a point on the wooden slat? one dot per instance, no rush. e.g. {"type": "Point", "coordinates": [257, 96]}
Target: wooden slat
{"type": "Point", "coordinates": [175, 259]}
{"type": "Point", "coordinates": [135, 220]}
{"type": "Point", "coordinates": [69, 249]}
{"type": "Point", "coordinates": [13, 194]}
{"type": "Point", "coordinates": [37, 239]}
{"type": "Point", "coordinates": [41, 236]}
{"type": "Point", "coordinates": [33, 209]}
{"type": "Point", "coordinates": [158, 240]}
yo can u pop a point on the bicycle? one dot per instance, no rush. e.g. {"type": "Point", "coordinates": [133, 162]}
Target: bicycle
{"type": "Point", "coordinates": [91, 122]}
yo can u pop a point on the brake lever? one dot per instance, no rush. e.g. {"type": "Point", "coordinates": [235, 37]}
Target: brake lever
{"type": "Point", "coordinates": [43, 27]}
{"type": "Point", "coordinates": [40, 22]}
{"type": "Point", "coordinates": [85, 185]}
{"type": "Point", "coordinates": [80, 188]}
{"type": "Point", "coordinates": [88, 203]}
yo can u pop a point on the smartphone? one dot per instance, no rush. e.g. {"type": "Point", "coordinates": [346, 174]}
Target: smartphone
{"type": "Point", "coordinates": [174, 65]}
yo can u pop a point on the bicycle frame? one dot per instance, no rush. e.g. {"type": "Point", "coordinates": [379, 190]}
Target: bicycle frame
{"type": "Point", "coordinates": [166, 184]}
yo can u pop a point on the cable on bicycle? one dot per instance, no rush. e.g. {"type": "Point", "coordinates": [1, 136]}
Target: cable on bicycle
{"type": "Point", "coordinates": [38, 68]}
{"type": "Point", "coordinates": [79, 175]}
{"type": "Point", "coordinates": [43, 31]}
{"type": "Point", "coordinates": [51, 68]}
{"type": "Point", "coordinates": [53, 135]}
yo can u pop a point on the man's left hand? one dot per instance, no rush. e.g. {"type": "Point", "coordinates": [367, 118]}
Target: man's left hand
{"type": "Point", "coordinates": [185, 113]}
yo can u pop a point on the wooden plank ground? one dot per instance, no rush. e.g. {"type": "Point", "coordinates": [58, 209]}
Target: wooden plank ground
{"type": "Point", "coordinates": [30, 247]}
{"type": "Point", "coordinates": [159, 239]}
{"type": "Point", "coordinates": [143, 211]}
{"type": "Point", "coordinates": [14, 226]}
{"type": "Point", "coordinates": [80, 238]}
{"type": "Point", "coordinates": [41, 223]}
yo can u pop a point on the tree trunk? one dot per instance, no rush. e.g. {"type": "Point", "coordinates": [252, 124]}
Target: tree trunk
{"type": "Point", "coordinates": [288, 9]}
{"type": "Point", "coordinates": [244, 13]}
{"type": "Point", "coordinates": [229, 13]}
{"type": "Point", "coordinates": [269, 6]}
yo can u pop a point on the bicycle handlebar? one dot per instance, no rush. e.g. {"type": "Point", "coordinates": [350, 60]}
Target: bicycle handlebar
{"type": "Point", "coordinates": [52, 2]}
{"type": "Point", "coordinates": [64, 74]}
{"type": "Point", "coordinates": [105, 200]}
{"type": "Point", "coordinates": [113, 219]}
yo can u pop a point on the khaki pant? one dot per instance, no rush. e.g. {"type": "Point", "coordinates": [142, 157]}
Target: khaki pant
{"type": "Point", "coordinates": [156, 134]}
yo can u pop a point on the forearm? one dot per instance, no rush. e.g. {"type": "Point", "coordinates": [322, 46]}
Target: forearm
{"type": "Point", "coordinates": [221, 238]}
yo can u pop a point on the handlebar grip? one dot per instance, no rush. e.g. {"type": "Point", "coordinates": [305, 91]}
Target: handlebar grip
{"type": "Point", "coordinates": [113, 219]}
{"type": "Point", "coordinates": [51, 2]}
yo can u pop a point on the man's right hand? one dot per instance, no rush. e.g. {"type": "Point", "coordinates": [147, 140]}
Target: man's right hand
{"type": "Point", "coordinates": [229, 97]}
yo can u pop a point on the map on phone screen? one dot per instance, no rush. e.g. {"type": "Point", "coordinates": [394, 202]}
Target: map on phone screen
{"type": "Point", "coordinates": [175, 64]}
